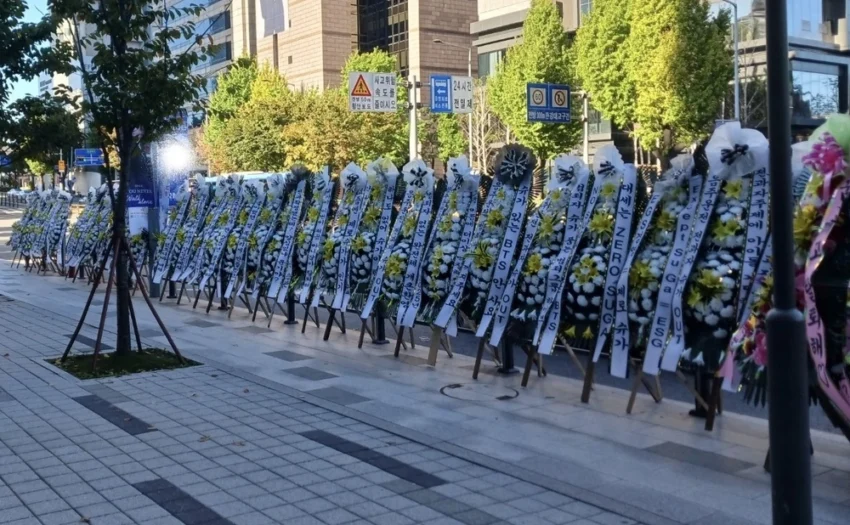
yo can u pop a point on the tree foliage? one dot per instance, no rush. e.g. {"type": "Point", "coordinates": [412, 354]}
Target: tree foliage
{"type": "Point", "coordinates": [680, 65]}
{"type": "Point", "coordinates": [251, 136]}
{"type": "Point", "coordinates": [451, 136]}
{"type": "Point", "coordinates": [544, 55]}
{"type": "Point", "coordinates": [38, 167]}
{"type": "Point", "coordinates": [41, 127]}
{"type": "Point", "coordinates": [602, 58]}
{"type": "Point", "coordinates": [232, 91]}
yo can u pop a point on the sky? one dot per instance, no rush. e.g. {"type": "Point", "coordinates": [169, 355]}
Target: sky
{"type": "Point", "coordinates": [29, 87]}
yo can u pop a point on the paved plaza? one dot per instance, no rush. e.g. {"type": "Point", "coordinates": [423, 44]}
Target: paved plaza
{"type": "Point", "coordinates": [279, 427]}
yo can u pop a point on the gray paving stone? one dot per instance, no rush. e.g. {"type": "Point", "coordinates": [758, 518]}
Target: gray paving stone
{"type": "Point", "coordinates": [558, 516]}
{"type": "Point", "coordinates": [16, 513]}
{"type": "Point", "coordinates": [232, 508]}
{"type": "Point", "coordinates": [146, 513]}
{"type": "Point", "coordinates": [98, 509]}
{"type": "Point", "coordinates": [312, 374]}
{"type": "Point", "coordinates": [420, 513]}
{"type": "Point", "coordinates": [339, 396]}
{"type": "Point", "coordinates": [49, 506]}
{"type": "Point", "coordinates": [367, 509]}
{"type": "Point", "coordinates": [37, 496]}
{"type": "Point", "coordinates": [64, 517]}
{"type": "Point", "coordinates": [475, 517]}
{"type": "Point", "coordinates": [283, 513]}
{"type": "Point", "coordinates": [286, 355]}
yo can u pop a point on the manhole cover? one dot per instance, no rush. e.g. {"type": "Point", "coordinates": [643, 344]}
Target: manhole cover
{"type": "Point", "coordinates": [478, 392]}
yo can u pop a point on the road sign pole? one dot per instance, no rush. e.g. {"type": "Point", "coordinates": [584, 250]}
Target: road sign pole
{"type": "Point", "coordinates": [787, 375]}
{"type": "Point", "coordinates": [414, 139]}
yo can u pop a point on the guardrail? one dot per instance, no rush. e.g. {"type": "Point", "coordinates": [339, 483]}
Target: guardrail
{"type": "Point", "coordinates": [12, 201]}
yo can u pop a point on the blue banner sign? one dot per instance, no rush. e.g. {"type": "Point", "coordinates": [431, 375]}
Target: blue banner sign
{"type": "Point", "coordinates": [441, 94]}
{"type": "Point", "coordinates": [88, 157]}
{"type": "Point", "coordinates": [548, 103]}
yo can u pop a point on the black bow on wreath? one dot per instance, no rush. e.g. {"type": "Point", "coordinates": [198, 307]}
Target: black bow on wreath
{"type": "Point", "coordinates": [565, 175]}
{"type": "Point", "coordinates": [418, 180]}
{"type": "Point", "coordinates": [729, 156]}
{"type": "Point", "coordinates": [605, 168]}
{"type": "Point", "coordinates": [351, 179]}
{"type": "Point", "coordinates": [515, 164]}
{"type": "Point", "coordinates": [299, 172]}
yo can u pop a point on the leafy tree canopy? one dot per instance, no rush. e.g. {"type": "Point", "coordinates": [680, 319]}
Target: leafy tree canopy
{"type": "Point", "coordinates": [41, 127]}
{"type": "Point", "coordinates": [602, 58]}
{"type": "Point", "coordinates": [451, 138]}
{"type": "Point", "coordinates": [680, 66]}
{"type": "Point", "coordinates": [544, 55]}
{"type": "Point", "coordinates": [232, 91]}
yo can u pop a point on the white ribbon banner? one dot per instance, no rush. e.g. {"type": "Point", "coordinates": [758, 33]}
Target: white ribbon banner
{"type": "Point", "coordinates": [411, 292]}
{"type": "Point", "coordinates": [163, 254]}
{"type": "Point", "coordinates": [283, 267]}
{"type": "Point", "coordinates": [661, 321]}
{"type": "Point", "coordinates": [355, 215]}
{"type": "Point", "coordinates": [316, 241]}
{"type": "Point", "coordinates": [242, 243]}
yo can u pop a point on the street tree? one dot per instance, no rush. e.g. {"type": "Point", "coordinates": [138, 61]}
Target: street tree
{"type": "Point", "coordinates": [488, 132]}
{"type": "Point", "coordinates": [233, 89]}
{"type": "Point", "coordinates": [680, 66]}
{"type": "Point", "coordinates": [132, 86]}
{"type": "Point", "coordinates": [42, 127]}
{"type": "Point", "coordinates": [545, 55]}
{"type": "Point", "coordinates": [602, 58]}
{"type": "Point", "coordinates": [451, 136]}
{"type": "Point", "coordinates": [251, 138]}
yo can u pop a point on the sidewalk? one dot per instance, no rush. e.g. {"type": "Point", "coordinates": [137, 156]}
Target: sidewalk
{"type": "Point", "coordinates": [280, 427]}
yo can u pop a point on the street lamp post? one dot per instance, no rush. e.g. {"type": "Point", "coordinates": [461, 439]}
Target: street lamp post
{"type": "Point", "coordinates": [737, 64]}
{"type": "Point", "coordinates": [469, 74]}
{"type": "Point", "coordinates": [787, 375]}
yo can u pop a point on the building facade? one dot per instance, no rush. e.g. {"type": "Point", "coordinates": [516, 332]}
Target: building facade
{"type": "Point", "coordinates": [819, 41]}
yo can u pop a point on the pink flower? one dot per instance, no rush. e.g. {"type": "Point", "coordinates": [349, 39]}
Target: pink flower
{"type": "Point", "coordinates": [760, 353]}
{"type": "Point", "coordinates": [827, 158]}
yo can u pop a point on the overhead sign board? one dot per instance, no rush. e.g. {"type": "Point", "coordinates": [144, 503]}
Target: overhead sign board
{"type": "Point", "coordinates": [61, 165]}
{"type": "Point", "coordinates": [5, 161]}
{"type": "Point", "coordinates": [451, 94]}
{"type": "Point", "coordinates": [548, 103]}
{"type": "Point", "coordinates": [88, 157]}
{"type": "Point", "coordinates": [375, 92]}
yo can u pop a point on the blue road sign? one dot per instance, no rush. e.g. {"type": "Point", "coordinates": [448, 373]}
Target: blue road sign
{"type": "Point", "coordinates": [4, 161]}
{"type": "Point", "coordinates": [88, 157]}
{"type": "Point", "coordinates": [441, 94]}
{"type": "Point", "coordinates": [548, 103]}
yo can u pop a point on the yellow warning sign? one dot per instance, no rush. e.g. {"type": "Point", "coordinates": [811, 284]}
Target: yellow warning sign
{"type": "Point", "coordinates": [361, 88]}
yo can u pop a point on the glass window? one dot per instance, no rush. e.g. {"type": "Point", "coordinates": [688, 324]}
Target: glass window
{"type": "Point", "coordinates": [584, 8]}
{"type": "Point", "coordinates": [596, 124]}
{"type": "Point", "coordinates": [382, 24]}
{"type": "Point", "coordinates": [218, 23]}
{"type": "Point", "coordinates": [815, 90]}
{"type": "Point", "coordinates": [487, 62]}
{"type": "Point", "coordinates": [221, 52]}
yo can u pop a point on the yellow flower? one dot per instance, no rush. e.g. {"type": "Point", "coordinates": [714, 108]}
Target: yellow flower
{"type": "Point", "coordinates": [704, 288]}
{"type": "Point", "coordinates": [446, 224]}
{"type": "Point", "coordinates": [358, 244]}
{"type": "Point", "coordinates": [805, 225]}
{"type": "Point", "coordinates": [452, 201]}
{"type": "Point", "coordinates": [349, 198]}
{"type": "Point", "coordinates": [602, 223]}
{"type": "Point", "coordinates": [252, 241]}
{"type": "Point", "coordinates": [231, 242]}
{"type": "Point", "coordinates": [265, 216]}
{"type": "Point", "coordinates": [481, 258]}
{"type": "Point", "coordinates": [418, 196]}
{"type": "Point", "coordinates": [640, 276]}
{"type": "Point", "coordinates": [501, 194]}
{"type": "Point", "coordinates": [181, 235]}
{"type": "Point", "coordinates": [694, 297]}
{"type": "Point", "coordinates": [317, 195]}
{"type": "Point", "coordinates": [570, 332]}
{"type": "Point", "coordinates": [370, 218]}
{"type": "Point", "coordinates": [533, 265]}
{"type": "Point", "coordinates": [343, 220]}
{"type": "Point", "coordinates": [395, 266]}
{"type": "Point", "coordinates": [313, 214]}
{"type": "Point", "coordinates": [274, 245]}
{"type": "Point", "coordinates": [495, 218]}
{"type": "Point", "coordinates": [588, 333]}
{"type": "Point", "coordinates": [376, 193]}
{"type": "Point", "coordinates": [546, 228]}
{"type": "Point", "coordinates": [243, 218]}
{"type": "Point", "coordinates": [172, 215]}
{"type": "Point", "coordinates": [301, 238]}
{"type": "Point", "coordinates": [556, 194]}
{"type": "Point", "coordinates": [586, 270]}
{"type": "Point", "coordinates": [409, 225]}
{"type": "Point", "coordinates": [196, 244]}
{"type": "Point", "coordinates": [666, 221]}
{"type": "Point", "coordinates": [436, 261]}
{"type": "Point", "coordinates": [734, 188]}
{"type": "Point", "coordinates": [223, 218]}
{"type": "Point", "coordinates": [815, 184]}
{"type": "Point", "coordinates": [725, 229]}
{"type": "Point", "coordinates": [609, 190]}
{"type": "Point", "coordinates": [328, 250]}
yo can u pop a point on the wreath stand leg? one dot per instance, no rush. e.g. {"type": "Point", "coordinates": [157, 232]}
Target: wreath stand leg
{"type": "Point", "coordinates": [572, 354]}
{"type": "Point", "coordinates": [699, 399]}
{"type": "Point", "coordinates": [438, 338]}
{"type": "Point", "coordinates": [332, 318]}
{"type": "Point", "coordinates": [364, 329]}
{"type": "Point", "coordinates": [641, 379]}
{"type": "Point", "coordinates": [715, 403]}
{"type": "Point", "coordinates": [533, 357]}
{"type": "Point", "coordinates": [182, 289]}
{"type": "Point", "coordinates": [399, 341]}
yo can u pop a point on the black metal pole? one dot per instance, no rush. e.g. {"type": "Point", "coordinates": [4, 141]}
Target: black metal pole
{"type": "Point", "coordinates": [791, 476]}
{"type": "Point", "coordinates": [172, 290]}
{"type": "Point", "coordinates": [290, 309]}
{"type": "Point", "coordinates": [380, 330]}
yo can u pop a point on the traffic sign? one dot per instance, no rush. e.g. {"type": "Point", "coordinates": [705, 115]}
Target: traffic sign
{"type": "Point", "coordinates": [441, 94]}
{"type": "Point", "coordinates": [61, 165]}
{"type": "Point", "coordinates": [88, 157]}
{"type": "Point", "coordinates": [548, 103]}
{"type": "Point", "coordinates": [5, 161]}
{"type": "Point", "coordinates": [462, 94]}
{"type": "Point", "coordinates": [372, 92]}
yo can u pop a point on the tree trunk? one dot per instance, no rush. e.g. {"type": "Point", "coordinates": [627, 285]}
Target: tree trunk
{"type": "Point", "coordinates": [122, 270]}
